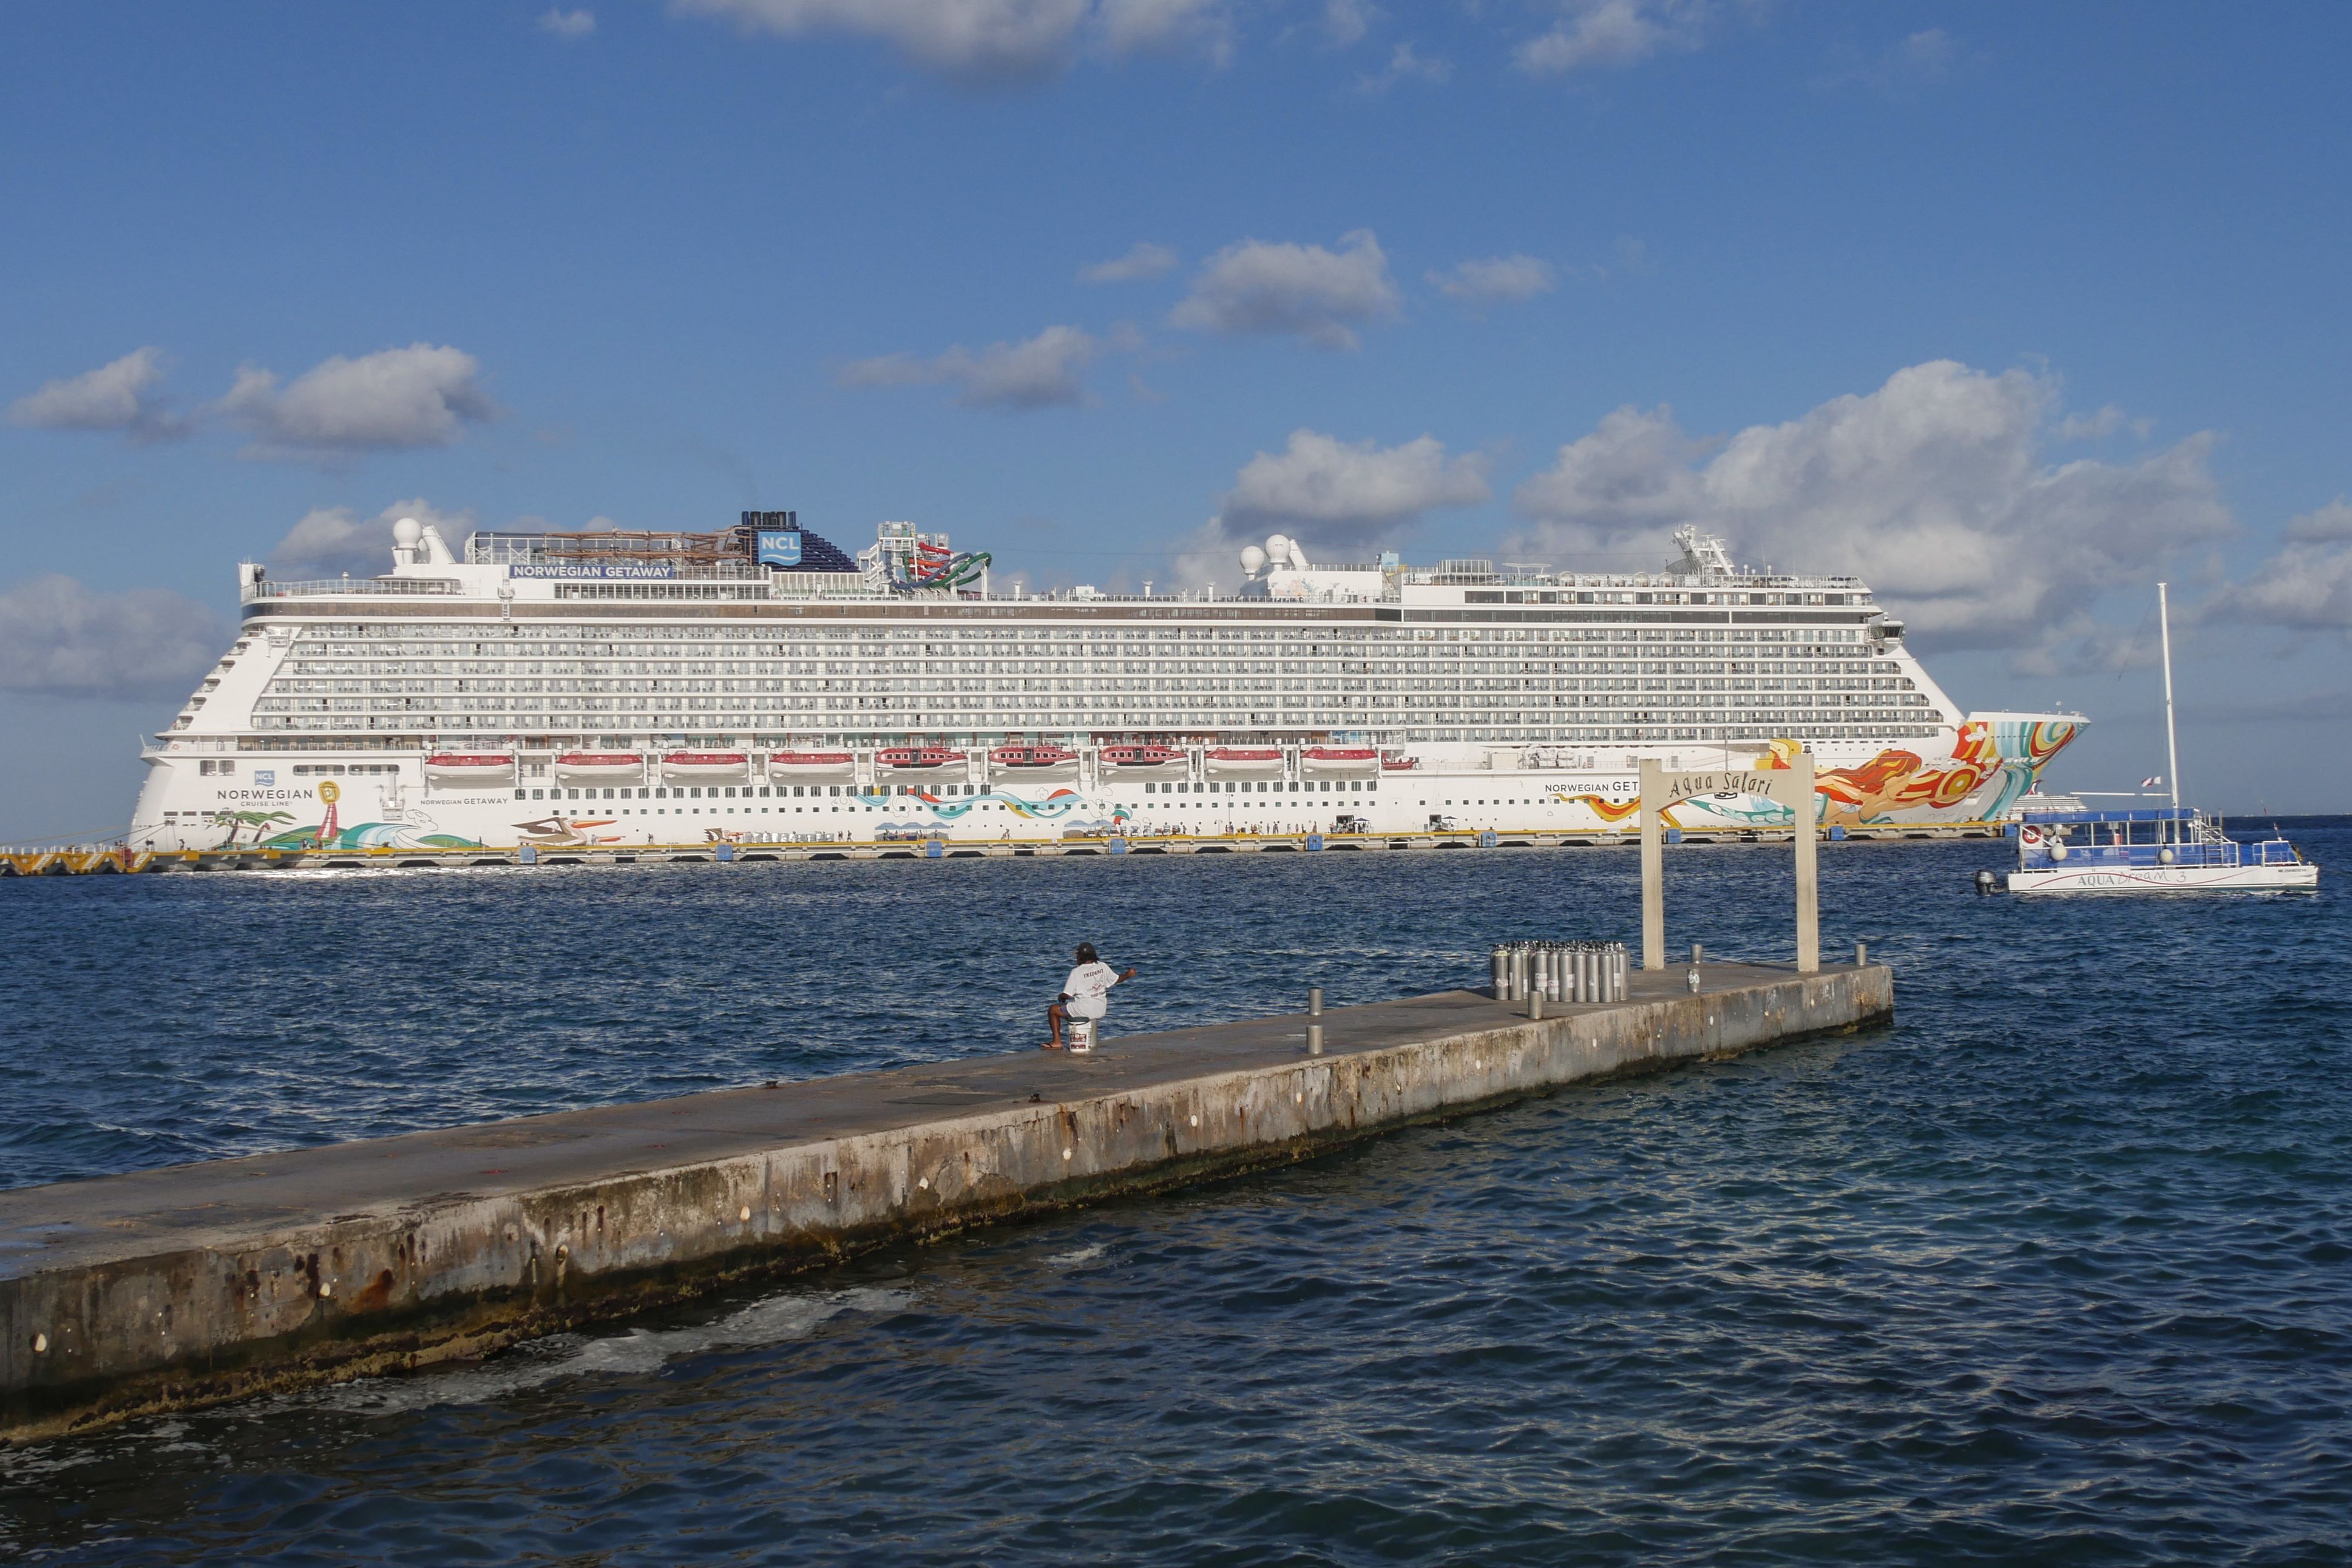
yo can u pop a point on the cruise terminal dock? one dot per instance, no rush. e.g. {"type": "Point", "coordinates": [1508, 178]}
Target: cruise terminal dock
{"type": "Point", "coordinates": [186, 1286]}
{"type": "Point", "coordinates": [88, 860]}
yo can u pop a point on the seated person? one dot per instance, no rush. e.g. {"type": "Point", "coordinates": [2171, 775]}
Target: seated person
{"type": "Point", "coordinates": [1085, 995]}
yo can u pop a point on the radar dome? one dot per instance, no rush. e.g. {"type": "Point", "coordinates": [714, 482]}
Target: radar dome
{"type": "Point", "coordinates": [406, 532]}
{"type": "Point", "coordinates": [1277, 549]}
{"type": "Point", "coordinates": [1253, 560]}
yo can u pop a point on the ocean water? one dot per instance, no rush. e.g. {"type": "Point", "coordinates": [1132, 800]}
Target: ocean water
{"type": "Point", "coordinates": [2057, 1268]}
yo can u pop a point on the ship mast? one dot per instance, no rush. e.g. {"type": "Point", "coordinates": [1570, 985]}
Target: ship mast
{"type": "Point", "coordinates": [2171, 743]}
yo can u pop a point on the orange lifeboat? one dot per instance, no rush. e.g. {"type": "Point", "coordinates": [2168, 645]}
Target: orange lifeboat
{"type": "Point", "coordinates": [455, 767]}
{"type": "Point", "coordinates": [600, 767]}
{"type": "Point", "coordinates": [1244, 761]}
{"type": "Point", "coordinates": [1031, 756]}
{"type": "Point", "coordinates": [910, 759]}
{"type": "Point", "coordinates": [1141, 754]}
{"type": "Point", "coordinates": [706, 767]}
{"type": "Point", "coordinates": [1340, 761]}
{"type": "Point", "coordinates": [812, 767]}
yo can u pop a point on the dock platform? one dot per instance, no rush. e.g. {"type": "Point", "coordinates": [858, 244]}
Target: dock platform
{"type": "Point", "coordinates": [187, 1286]}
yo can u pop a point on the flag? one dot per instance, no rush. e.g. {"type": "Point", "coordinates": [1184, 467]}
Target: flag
{"type": "Point", "coordinates": [2151, 783]}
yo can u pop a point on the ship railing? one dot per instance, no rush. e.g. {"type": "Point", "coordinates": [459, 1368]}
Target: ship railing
{"type": "Point", "coordinates": [335, 588]}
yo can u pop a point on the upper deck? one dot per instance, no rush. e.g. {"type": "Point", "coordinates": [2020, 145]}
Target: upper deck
{"type": "Point", "coordinates": [534, 574]}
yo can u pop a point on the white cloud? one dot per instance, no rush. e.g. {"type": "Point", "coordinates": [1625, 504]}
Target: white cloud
{"type": "Point", "coordinates": [983, 43]}
{"type": "Point", "coordinates": [57, 637]}
{"type": "Point", "coordinates": [2099, 426]}
{"type": "Point", "coordinates": [1332, 491]}
{"type": "Point", "coordinates": [1042, 372]}
{"type": "Point", "coordinates": [1167, 26]}
{"type": "Point", "coordinates": [2332, 521]}
{"type": "Point", "coordinates": [329, 540]}
{"type": "Point", "coordinates": [1497, 280]}
{"type": "Point", "coordinates": [2305, 587]}
{"type": "Point", "coordinates": [417, 396]}
{"type": "Point", "coordinates": [1145, 260]}
{"type": "Point", "coordinates": [567, 23]}
{"type": "Point", "coordinates": [1893, 72]}
{"type": "Point", "coordinates": [120, 395]}
{"type": "Point", "coordinates": [1320, 294]}
{"type": "Point", "coordinates": [1345, 22]}
{"type": "Point", "coordinates": [1405, 64]}
{"type": "Point", "coordinates": [1612, 33]}
{"type": "Point", "coordinates": [1934, 489]}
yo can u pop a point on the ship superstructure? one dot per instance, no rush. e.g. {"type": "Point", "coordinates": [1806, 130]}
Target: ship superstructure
{"type": "Point", "coordinates": [759, 681]}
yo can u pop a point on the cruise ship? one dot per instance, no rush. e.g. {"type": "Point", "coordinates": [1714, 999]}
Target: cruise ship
{"type": "Point", "coordinates": [760, 684]}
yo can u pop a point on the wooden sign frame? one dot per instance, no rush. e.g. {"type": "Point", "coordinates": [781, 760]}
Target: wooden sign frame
{"type": "Point", "coordinates": [1791, 787]}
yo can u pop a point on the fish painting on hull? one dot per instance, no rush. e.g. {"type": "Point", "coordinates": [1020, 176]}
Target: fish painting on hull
{"type": "Point", "coordinates": [1058, 804]}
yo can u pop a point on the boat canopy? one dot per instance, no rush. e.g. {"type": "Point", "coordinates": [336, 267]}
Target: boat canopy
{"type": "Point", "coordinates": [2153, 814]}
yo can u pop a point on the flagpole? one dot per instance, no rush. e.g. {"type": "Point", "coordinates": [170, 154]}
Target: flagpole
{"type": "Point", "coordinates": [2171, 742]}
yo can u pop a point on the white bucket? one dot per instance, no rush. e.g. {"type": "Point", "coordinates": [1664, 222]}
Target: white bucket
{"type": "Point", "coordinates": [1078, 1035]}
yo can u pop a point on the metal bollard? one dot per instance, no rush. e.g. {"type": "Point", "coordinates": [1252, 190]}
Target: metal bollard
{"type": "Point", "coordinates": [1695, 955]}
{"type": "Point", "coordinates": [1861, 954]}
{"type": "Point", "coordinates": [1535, 1007]}
{"type": "Point", "coordinates": [1313, 1039]}
{"type": "Point", "coordinates": [1315, 1001]}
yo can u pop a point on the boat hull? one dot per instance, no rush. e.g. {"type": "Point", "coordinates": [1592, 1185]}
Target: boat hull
{"type": "Point", "coordinates": [2296, 878]}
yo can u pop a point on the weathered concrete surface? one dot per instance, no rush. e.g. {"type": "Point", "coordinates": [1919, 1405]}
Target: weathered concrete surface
{"type": "Point", "coordinates": [174, 1288]}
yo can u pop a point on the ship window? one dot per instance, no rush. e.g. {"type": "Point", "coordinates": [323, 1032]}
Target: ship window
{"type": "Point", "coordinates": [521, 794]}
{"type": "Point", "coordinates": [538, 794]}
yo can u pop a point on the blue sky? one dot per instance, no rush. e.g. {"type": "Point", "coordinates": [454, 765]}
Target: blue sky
{"type": "Point", "coordinates": [2012, 307]}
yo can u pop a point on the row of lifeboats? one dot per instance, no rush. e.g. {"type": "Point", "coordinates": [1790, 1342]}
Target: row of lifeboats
{"type": "Point", "coordinates": [1036, 759]}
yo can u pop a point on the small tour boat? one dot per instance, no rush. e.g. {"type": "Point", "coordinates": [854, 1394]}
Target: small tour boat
{"type": "Point", "coordinates": [706, 767]}
{"type": "Point", "coordinates": [2160, 849]}
{"type": "Point", "coordinates": [452, 768]}
{"type": "Point", "coordinates": [2167, 847]}
{"type": "Point", "coordinates": [600, 767]}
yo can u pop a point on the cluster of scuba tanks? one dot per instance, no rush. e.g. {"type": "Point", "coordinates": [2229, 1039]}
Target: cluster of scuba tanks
{"type": "Point", "coordinates": [1559, 971]}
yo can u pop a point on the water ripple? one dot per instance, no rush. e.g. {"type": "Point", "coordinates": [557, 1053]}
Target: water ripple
{"type": "Point", "coordinates": [2052, 1269]}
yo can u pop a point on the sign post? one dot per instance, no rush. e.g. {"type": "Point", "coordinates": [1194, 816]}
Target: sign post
{"type": "Point", "coordinates": [1792, 787]}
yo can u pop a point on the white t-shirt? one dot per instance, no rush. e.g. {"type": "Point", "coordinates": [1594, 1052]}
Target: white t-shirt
{"type": "Point", "coordinates": [1088, 988]}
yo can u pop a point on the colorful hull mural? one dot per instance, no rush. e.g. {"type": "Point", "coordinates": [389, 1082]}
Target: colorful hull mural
{"type": "Point", "coordinates": [1991, 761]}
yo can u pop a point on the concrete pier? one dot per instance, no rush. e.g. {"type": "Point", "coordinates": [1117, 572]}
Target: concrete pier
{"type": "Point", "coordinates": [176, 1288]}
